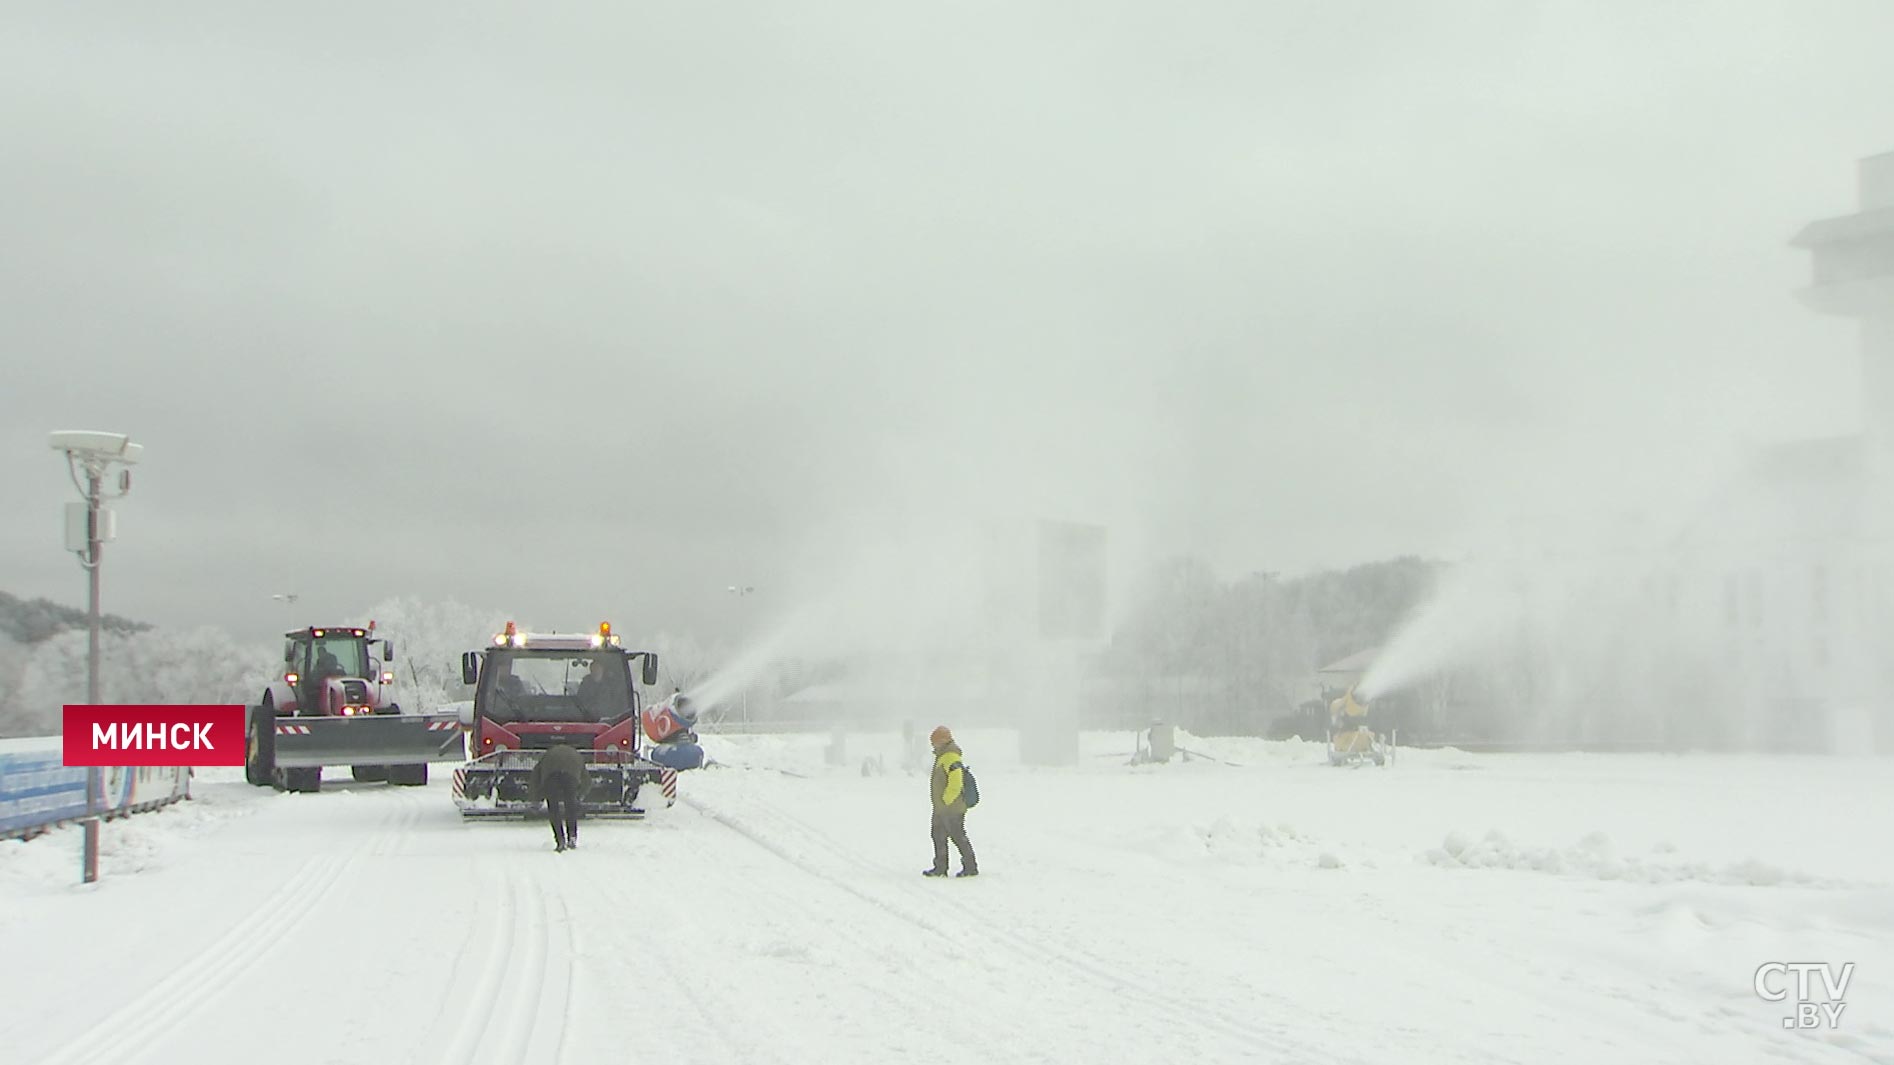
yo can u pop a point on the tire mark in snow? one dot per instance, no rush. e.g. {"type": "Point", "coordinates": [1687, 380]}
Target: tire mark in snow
{"type": "Point", "coordinates": [408, 815]}
{"type": "Point", "coordinates": [485, 996]}
{"type": "Point", "coordinates": [820, 920]}
{"type": "Point", "coordinates": [1096, 970]}
{"type": "Point", "coordinates": [517, 1009]}
{"type": "Point", "coordinates": [679, 976]}
{"type": "Point", "coordinates": [442, 1028]}
{"type": "Point", "coordinates": [522, 1020]}
{"type": "Point", "coordinates": [760, 840]}
{"type": "Point", "coordinates": [570, 971]}
{"type": "Point", "coordinates": [1092, 970]}
{"type": "Point", "coordinates": [225, 963]}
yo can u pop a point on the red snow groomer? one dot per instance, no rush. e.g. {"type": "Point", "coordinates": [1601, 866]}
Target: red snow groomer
{"type": "Point", "coordinates": [535, 691]}
{"type": "Point", "coordinates": [333, 704]}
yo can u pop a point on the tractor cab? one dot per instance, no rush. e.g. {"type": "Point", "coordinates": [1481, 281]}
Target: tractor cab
{"type": "Point", "coordinates": [544, 684]}
{"type": "Point", "coordinates": [324, 665]}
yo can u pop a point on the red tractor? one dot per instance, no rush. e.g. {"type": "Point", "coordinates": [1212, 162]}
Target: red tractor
{"type": "Point", "coordinates": [334, 705]}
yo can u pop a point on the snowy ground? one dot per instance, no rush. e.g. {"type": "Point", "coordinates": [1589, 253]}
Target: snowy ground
{"type": "Point", "coordinates": [1452, 908]}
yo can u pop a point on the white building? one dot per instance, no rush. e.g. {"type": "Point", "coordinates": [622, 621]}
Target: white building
{"type": "Point", "coordinates": [1835, 557]}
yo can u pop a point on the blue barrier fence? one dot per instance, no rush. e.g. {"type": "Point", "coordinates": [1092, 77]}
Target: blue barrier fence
{"type": "Point", "coordinates": [35, 789]}
{"type": "Point", "coordinates": [38, 792]}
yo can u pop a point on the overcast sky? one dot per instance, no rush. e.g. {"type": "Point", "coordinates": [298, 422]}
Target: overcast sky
{"type": "Point", "coordinates": [591, 310]}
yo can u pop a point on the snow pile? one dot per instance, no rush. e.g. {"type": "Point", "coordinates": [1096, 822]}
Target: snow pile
{"type": "Point", "coordinates": [1595, 857]}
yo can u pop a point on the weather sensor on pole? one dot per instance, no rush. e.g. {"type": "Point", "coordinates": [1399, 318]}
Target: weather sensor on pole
{"type": "Point", "coordinates": [90, 456]}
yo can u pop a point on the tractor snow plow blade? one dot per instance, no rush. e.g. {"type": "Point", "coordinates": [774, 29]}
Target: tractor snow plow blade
{"type": "Point", "coordinates": [500, 785]}
{"type": "Point", "coordinates": [371, 739]}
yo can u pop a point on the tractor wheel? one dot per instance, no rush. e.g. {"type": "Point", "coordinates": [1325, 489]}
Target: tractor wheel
{"type": "Point", "coordinates": [369, 773]}
{"type": "Point", "coordinates": [259, 745]}
{"type": "Point", "coordinates": [408, 776]}
{"type": "Point", "coordinates": [309, 779]}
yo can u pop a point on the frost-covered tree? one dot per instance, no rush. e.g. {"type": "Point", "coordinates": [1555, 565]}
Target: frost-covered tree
{"type": "Point", "coordinates": [684, 662]}
{"type": "Point", "coordinates": [429, 639]}
{"type": "Point", "coordinates": [14, 656]}
{"type": "Point", "coordinates": [202, 665]}
{"type": "Point", "coordinates": [1234, 656]}
{"type": "Point", "coordinates": [31, 620]}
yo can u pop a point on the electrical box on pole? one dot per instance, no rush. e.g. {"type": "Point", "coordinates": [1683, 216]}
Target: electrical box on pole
{"type": "Point", "coordinates": [78, 532]}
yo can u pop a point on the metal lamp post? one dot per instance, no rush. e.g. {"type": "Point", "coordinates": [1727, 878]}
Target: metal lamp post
{"type": "Point", "coordinates": [89, 457]}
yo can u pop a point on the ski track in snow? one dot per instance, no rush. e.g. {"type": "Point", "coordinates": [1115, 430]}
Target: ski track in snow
{"type": "Point", "coordinates": [195, 985]}
{"type": "Point", "coordinates": [678, 976]}
{"type": "Point", "coordinates": [978, 934]}
{"type": "Point", "coordinates": [884, 938]}
{"type": "Point", "coordinates": [768, 918]}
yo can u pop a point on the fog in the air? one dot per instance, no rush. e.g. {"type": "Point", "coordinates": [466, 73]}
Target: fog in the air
{"type": "Point", "coordinates": [598, 311]}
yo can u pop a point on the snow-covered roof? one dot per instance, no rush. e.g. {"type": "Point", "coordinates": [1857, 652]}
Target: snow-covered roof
{"type": "Point", "coordinates": [1862, 225]}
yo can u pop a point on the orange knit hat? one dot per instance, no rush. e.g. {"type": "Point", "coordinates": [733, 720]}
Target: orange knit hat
{"type": "Point", "coordinates": [940, 737]}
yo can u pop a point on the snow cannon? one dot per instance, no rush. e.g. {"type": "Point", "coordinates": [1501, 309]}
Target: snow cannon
{"type": "Point", "coordinates": [671, 727]}
{"type": "Point", "coordinates": [1352, 739]}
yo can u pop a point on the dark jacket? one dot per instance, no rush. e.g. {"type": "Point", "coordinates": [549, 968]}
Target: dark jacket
{"type": "Point", "coordinates": [601, 699]}
{"type": "Point", "coordinates": [559, 762]}
{"type": "Point", "coordinates": [944, 783]}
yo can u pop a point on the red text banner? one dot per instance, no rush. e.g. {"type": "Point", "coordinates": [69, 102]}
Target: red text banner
{"type": "Point", "coordinates": [174, 735]}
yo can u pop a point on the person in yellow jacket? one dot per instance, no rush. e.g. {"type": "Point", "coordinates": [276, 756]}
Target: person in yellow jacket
{"type": "Point", "coordinates": [950, 810]}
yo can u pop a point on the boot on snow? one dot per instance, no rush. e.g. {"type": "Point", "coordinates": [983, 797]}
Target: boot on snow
{"type": "Point", "coordinates": [933, 872]}
{"type": "Point", "coordinates": [967, 872]}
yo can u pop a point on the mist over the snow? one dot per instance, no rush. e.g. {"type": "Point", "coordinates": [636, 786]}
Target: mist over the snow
{"type": "Point", "coordinates": [1393, 501]}
{"type": "Point", "coordinates": [599, 312]}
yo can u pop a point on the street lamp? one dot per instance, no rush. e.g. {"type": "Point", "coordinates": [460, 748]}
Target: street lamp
{"type": "Point", "coordinates": [288, 599]}
{"type": "Point", "coordinates": [88, 525]}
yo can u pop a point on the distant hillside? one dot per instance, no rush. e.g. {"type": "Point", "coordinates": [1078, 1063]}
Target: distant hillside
{"type": "Point", "coordinates": [34, 620]}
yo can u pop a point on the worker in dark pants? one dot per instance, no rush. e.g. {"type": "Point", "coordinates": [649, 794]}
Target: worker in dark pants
{"type": "Point", "coordinates": [559, 779]}
{"type": "Point", "coordinates": [950, 807]}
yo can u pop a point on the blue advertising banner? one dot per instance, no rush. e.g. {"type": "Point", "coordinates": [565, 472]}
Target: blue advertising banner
{"type": "Point", "coordinates": [36, 788]}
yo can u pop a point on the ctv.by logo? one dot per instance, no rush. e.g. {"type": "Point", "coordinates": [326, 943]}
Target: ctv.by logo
{"type": "Point", "coordinates": [1775, 979]}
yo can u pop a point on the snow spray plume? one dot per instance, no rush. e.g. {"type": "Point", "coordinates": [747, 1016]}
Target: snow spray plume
{"type": "Point", "coordinates": [1588, 623]}
{"type": "Point", "coordinates": [904, 610]}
